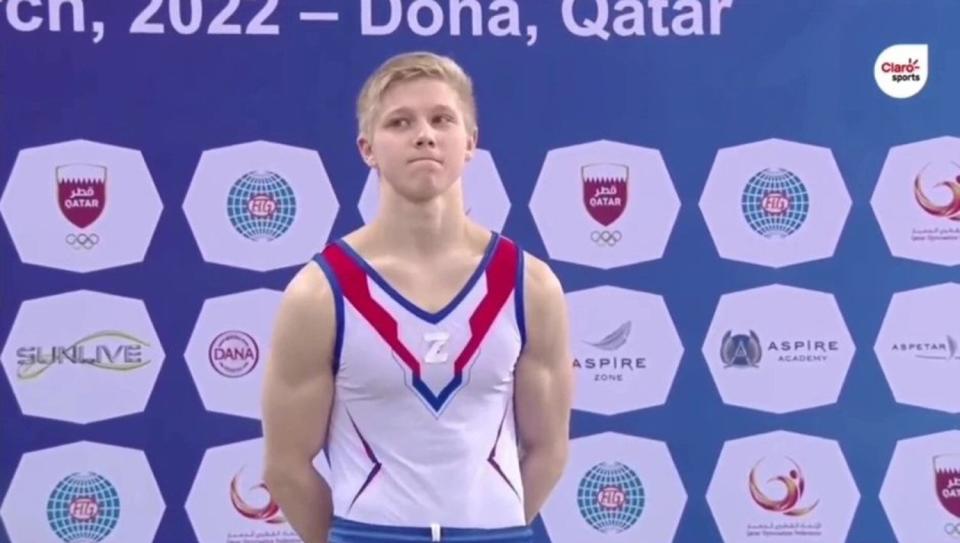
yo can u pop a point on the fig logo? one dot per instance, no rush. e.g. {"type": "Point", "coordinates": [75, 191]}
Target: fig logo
{"type": "Point", "coordinates": [901, 71]}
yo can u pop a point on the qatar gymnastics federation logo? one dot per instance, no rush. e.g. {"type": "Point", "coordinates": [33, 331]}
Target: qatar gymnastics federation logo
{"type": "Point", "coordinates": [81, 196]}
{"type": "Point", "coordinates": [234, 353]}
{"type": "Point", "coordinates": [947, 209]}
{"type": "Point", "coordinates": [261, 205]}
{"type": "Point", "coordinates": [268, 512]}
{"type": "Point", "coordinates": [775, 203]}
{"type": "Point", "coordinates": [610, 497]}
{"type": "Point", "coordinates": [605, 197]}
{"type": "Point", "coordinates": [83, 508]}
{"type": "Point", "coordinates": [793, 487]}
{"type": "Point", "coordinates": [741, 350]}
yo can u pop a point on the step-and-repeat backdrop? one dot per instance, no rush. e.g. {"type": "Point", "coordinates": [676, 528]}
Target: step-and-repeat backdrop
{"type": "Point", "coordinates": [753, 205]}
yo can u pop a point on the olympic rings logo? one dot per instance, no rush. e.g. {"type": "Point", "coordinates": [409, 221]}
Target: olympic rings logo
{"type": "Point", "coordinates": [952, 529]}
{"type": "Point", "coordinates": [84, 241]}
{"type": "Point", "coordinates": [606, 238]}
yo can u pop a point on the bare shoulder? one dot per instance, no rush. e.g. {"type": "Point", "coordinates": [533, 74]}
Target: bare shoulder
{"type": "Point", "coordinates": [298, 380]}
{"type": "Point", "coordinates": [543, 290]}
{"type": "Point", "coordinates": [310, 284]}
{"type": "Point", "coordinates": [545, 312]}
{"type": "Point", "coordinates": [305, 324]}
{"type": "Point", "coordinates": [308, 296]}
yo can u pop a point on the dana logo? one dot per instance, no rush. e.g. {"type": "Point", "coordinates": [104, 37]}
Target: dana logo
{"type": "Point", "coordinates": [611, 497]}
{"type": "Point", "coordinates": [901, 71]}
{"type": "Point", "coordinates": [234, 353]}
{"type": "Point", "coordinates": [83, 508]}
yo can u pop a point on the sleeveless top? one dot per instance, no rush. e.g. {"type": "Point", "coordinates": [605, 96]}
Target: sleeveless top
{"type": "Point", "coordinates": [422, 428]}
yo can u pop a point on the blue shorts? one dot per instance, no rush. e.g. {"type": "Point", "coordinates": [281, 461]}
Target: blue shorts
{"type": "Point", "coordinates": [348, 531]}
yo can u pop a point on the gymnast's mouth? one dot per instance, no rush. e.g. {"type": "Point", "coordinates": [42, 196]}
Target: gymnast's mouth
{"type": "Point", "coordinates": [419, 159]}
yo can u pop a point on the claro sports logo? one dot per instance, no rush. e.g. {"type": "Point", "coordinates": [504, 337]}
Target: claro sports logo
{"type": "Point", "coordinates": [910, 71]}
{"type": "Point", "coordinates": [901, 71]}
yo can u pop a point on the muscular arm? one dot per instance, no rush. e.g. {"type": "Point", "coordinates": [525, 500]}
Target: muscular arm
{"type": "Point", "coordinates": [544, 386]}
{"type": "Point", "coordinates": [297, 396]}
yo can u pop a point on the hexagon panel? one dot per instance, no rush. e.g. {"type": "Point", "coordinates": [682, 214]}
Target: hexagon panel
{"type": "Point", "coordinates": [229, 502]}
{"type": "Point", "coordinates": [919, 347]}
{"type": "Point", "coordinates": [80, 206]}
{"type": "Point", "coordinates": [921, 489]}
{"type": "Point", "coordinates": [917, 201]}
{"type": "Point", "coordinates": [778, 348]}
{"type": "Point", "coordinates": [83, 492]}
{"type": "Point", "coordinates": [775, 203]}
{"type": "Point", "coordinates": [260, 205]}
{"type": "Point", "coordinates": [604, 204]}
{"type": "Point", "coordinates": [229, 348]}
{"type": "Point", "coordinates": [616, 488]}
{"type": "Point", "coordinates": [626, 349]}
{"type": "Point", "coordinates": [782, 486]}
{"type": "Point", "coordinates": [484, 196]}
{"type": "Point", "coordinates": [82, 356]}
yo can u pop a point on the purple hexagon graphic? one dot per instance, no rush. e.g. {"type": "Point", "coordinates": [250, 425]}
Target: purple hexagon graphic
{"type": "Point", "coordinates": [775, 203]}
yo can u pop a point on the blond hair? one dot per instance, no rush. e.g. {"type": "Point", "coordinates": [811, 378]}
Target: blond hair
{"type": "Point", "coordinates": [407, 67]}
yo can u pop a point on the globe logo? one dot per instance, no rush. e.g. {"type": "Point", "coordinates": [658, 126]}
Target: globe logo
{"type": "Point", "coordinates": [83, 508]}
{"type": "Point", "coordinates": [261, 206]}
{"type": "Point", "coordinates": [775, 203]}
{"type": "Point", "coordinates": [610, 497]}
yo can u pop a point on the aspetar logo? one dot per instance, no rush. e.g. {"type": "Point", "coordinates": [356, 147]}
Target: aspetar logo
{"type": "Point", "coordinates": [901, 71]}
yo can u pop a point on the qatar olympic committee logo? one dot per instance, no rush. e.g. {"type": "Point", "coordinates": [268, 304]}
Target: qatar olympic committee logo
{"type": "Point", "coordinates": [81, 197]}
{"type": "Point", "coordinates": [775, 203]}
{"type": "Point", "coordinates": [261, 205]}
{"type": "Point", "coordinates": [946, 469]}
{"type": "Point", "coordinates": [611, 497]}
{"type": "Point", "coordinates": [83, 508]}
{"type": "Point", "coordinates": [605, 198]}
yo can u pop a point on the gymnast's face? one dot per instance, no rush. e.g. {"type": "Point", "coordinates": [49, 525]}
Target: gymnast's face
{"type": "Point", "coordinates": [419, 142]}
